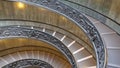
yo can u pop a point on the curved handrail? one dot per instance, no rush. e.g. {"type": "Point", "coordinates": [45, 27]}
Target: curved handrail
{"type": "Point", "coordinates": [24, 32]}
{"type": "Point", "coordinates": [26, 63]}
{"type": "Point", "coordinates": [80, 20]}
{"type": "Point", "coordinates": [28, 48]}
{"type": "Point", "coordinates": [49, 29]}
{"type": "Point", "coordinates": [100, 14]}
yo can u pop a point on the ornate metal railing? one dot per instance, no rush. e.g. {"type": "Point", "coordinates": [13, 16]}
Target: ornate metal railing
{"type": "Point", "coordinates": [28, 63]}
{"type": "Point", "coordinates": [25, 32]}
{"type": "Point", "coordinates": [79, 19]}
{"type": "Point", "coordinates": [37, 23]}
{"type": "Point", "coordinates": [95, 14]}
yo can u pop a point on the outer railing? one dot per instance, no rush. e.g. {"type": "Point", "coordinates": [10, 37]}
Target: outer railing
{"type": "Point", "coordinates": [79, 19]}
{"type": "Point", "coordinates": [26, 32]}
{"type": "Point", "coordinates": [26, 63]}
{"type": "Point", "coordinates": [114, 25]}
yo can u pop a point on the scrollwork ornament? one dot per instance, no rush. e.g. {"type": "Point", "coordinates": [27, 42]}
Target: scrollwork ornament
{"type": "Point", "coordinates": [25, 32]}
{"type": "Point", "coordinates": [26, 63]}
{"type": "Point", "coordinates": [78, 19]}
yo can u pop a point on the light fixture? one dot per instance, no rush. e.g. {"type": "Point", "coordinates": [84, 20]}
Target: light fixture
{"type": "Point", "coordinates": [20, 5]}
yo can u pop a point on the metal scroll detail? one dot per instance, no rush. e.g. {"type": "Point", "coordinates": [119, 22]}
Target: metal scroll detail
{"type": "Point", "coordinates": [26, 32]}
{"type": "Point", "coordinates": [28, 63]}
{"type": "Point", "coordinates": [80, 20]}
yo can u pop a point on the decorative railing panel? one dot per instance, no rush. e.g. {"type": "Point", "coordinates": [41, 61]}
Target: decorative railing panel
{"type": "Point", "coordinates": [79, 19]}
{"type": "Point", "coordinates": [103, 18]}
{"type": "Point", "coordinates": [28, 63]}
{"type": "Point", "coordinates": [26, 32]}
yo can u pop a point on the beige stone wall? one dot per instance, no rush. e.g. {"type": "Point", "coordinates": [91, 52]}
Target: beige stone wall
{"type": "Point", "coordinates": [115, 10]}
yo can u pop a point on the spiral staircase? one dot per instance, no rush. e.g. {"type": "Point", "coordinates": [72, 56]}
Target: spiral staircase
{"type": "Point", "coordinates": [77, 49]}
